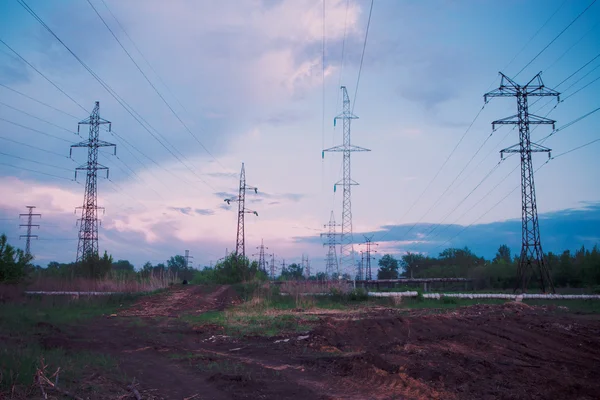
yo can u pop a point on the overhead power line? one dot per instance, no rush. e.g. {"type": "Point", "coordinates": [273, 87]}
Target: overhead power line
{"type": "Point", "coordinates": [362, 57]}
{"type": "Point", "coordinates": [153, 86]}
{"type": "Point", "coordinates": [120, 100]}
{"type": "Point", "coordinates": [555, 38]}
{"type": "Point", "coordinates": [37, 172]}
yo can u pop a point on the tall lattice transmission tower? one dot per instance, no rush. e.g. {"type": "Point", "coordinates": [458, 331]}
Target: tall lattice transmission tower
{"type": "Point", "coordinates": [240, 244]}
{"type": "Point", "coordinates": [272, 267]}
{"type": "Point", "coordinates": [188, 262]}
{"type": "Point", "coordinates": [368, 257]}
{"type": "Point", "coordinates": [29, 225]}
{"type": "Point", "coordinates": [262, 263]}
{"type": "Point", "coordinates": [331, 261]}
{"type": "Point", "coordinates": [88, 223]}
{"type": "Point", "coordinates": [347, 243]}
{"type": "Point", "coordinates": [532, 260]}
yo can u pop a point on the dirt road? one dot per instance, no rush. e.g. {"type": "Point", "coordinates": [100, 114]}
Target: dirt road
{"type": "Point", "coordinates": [510, 351]}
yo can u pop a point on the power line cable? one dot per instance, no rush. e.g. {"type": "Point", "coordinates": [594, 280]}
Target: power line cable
{"type": "Point", "coordinates": [438, 172]}
{"type": "Point", "coordinates": [153, 86]}
{"type": "Point", "coordinates": [44, 76]}
{"type": "Point", "coordinates": [37, 172]}
{"type": "Point", "coordinates": [33, 147]}
{"type": "Point", "coordinates": [38, 101]}
{"type": "Point", "coordinates": [34, 161]}
{"type": "Point", "coordinates": [535, 34]}
{"type": "Point", "coordinates": [37, 131]}
{"type": "Point", "coordinates": [121, 101]}
{"type": "Point", "coordinates": [555, 38]}
{"type": "Point", "coordinates": [571, 47]}
{"type": "Point", "coordinates": [38, 118]}
{"type": "Point", "coordinates": [362, 57]}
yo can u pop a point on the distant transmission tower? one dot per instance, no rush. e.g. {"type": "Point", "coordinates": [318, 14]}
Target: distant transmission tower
{"type": "Point", "coordinates": [273, 267]}
{"type": "Point", "coordinates": [307, 267]}
{"type": "Point", "coordinates": [331, 261]}
{"type": "Point", "coordinates": [347, 245]}
{"type": "Point", "coordinates": [29, 224]}
{"type": "Point", "coordinates": [188, 263]}
{"type": "Point", "coordinates": [361, 263]}
{"type": "Point", "coordinates": [532, 258]}
{"type": "Point", "coordinates": [240, 244]}
{"type": "Point", "coordinates": [262, 264]}
{"type": "Point", "coordinates": [88, 228]}
{"type": "Point", "coordinates": [369, 257]}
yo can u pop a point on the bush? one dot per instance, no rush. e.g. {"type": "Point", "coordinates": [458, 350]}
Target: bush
{"type": "Point", "coordinates": [449, 300]}
{"type": "Point", "coordinates": [358, 294]}
{"type": "Point", "coordinates": [14, 263]}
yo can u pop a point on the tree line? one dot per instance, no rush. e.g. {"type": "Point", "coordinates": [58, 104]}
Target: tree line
{"type": "Point", "coordinates": [568, 269]}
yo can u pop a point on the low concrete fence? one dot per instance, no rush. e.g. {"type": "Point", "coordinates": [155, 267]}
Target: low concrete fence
{"type": "Point", "coordinates": [489, 296]}
{"type": "Point", "coordinates": [62, 293]}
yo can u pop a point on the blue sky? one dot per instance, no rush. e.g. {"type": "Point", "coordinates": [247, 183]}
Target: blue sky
{"type": "Point", "coordinates": [246, 78]}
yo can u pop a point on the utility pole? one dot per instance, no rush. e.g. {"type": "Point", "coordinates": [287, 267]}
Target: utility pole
{"type": "Point", "coordinates": [261, 257]}
{"type": "Point", "coordinates": [347, 245]}
{"type": "Point", "coordinates": [368, 258]}
{"type": "Point", "coordinates": [240, 244]}
{"type": "Point", "coordinates": [88, 223]}
{"type": "Point", "coordinates": [532, 258]}
{"type": "Point", "coordinates": [188, 263]}
{"type": "Point", "coordinates": [29, 224]}
{"type": "Point", "coordinates": [331, 261]}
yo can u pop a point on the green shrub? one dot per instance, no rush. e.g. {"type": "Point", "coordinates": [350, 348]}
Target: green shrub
{"type": "Point", "coordinates": [449, 300]}
{"type": "Point", "coordinates": [358, 294]}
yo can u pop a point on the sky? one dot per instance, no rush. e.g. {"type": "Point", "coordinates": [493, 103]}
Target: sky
{"type": "Point", "coordinates": [215, 84]}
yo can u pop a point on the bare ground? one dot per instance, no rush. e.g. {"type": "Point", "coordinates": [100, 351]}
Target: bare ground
{"type": "Point", "coordinates": [510, 351]}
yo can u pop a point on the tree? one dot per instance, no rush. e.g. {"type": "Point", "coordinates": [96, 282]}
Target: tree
{"type": "Point", "coordinates": [411, 263]}
{"type": "Point", "coordinates": [292, 272]}
{"type": "Point", "coordinates": [234, 269]}
{"type": "Point", "coordinates": [14, 263]}
{"type": "Point", "coordinates": [321, 276]}
{"type": "Point", "coordinates": [388, 267]}
{"type": "Point", "coordinates": [93, 266]}
{"type": "Point", "coordinates": [123, 265]}
{"type": "Point", "coordinates": [503, 255]}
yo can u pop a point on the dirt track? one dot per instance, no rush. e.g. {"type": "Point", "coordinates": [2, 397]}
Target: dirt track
{"type": "Point", "coordinates": [511, 351]}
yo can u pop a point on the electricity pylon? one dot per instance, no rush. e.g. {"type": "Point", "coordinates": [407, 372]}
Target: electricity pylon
{"type": "Point", "coordinates": [88, 223]}
{"type": "Point", "coordinates": [306, 266]}
{"type": "Point", "coordinates": [331, 261]}
{"type": "Point", "coordinates": [361, 263]}
{"type": "Point", "coordinates": [240, 244]}
{"type": "Point", "coordinates": [262, 265]}
{"type": "Point", "coordinates": [532, 257]}
{"type": "Point", "coordinates": [188, 263]}
{"type": "Point", "coordinates": [273, 267]}
{"type": "Point", "coordinates": [347, 244]}
{"type": "Point", "coordinates": [368, 257]}
{"type": "Point", "coordinates": [29, 224]}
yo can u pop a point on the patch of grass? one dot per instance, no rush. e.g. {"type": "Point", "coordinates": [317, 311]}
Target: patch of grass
{"type": "Point", "coordinates": [242, 323]}
{"type": "Point", "coordinates": [444, 303]}
{"type": "Point", "coordinates": [573, 306]}
{"type": "Point", "coordinates": [18, 364]}
{"type": "Point", "coordinates": [23, 317]}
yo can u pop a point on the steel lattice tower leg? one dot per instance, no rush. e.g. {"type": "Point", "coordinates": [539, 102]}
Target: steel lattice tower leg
{"type": "Point", "coordinates": [29, 224]}
{"type": "Point", "coordinates": [532, 259]}
{"type": "Point", "coordinates": [240, 244]}
{"type": "Point", "coordinates": [347, 242]}
{"type": "Point", "coordinates": [331, 261]}
{"type": "Point", "coordinates": [88, 224]}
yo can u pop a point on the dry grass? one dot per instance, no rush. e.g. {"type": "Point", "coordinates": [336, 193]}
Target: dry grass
{"type": "Point", "coordinates": [108, 284]}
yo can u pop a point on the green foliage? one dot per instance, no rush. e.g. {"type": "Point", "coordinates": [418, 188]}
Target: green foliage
{"type": "Point", "coordinates": [449, 300]}
{"type": "Point", "coordinates": [235, 269]}
{"type": "Point", "coordinates": [292, 272]}
{"type": "Point", "coordinates": [14, 263]}
{"type": "Point", "coordinates": [388, 267]}
{"type": "Point", "coordinates": [358, 294]}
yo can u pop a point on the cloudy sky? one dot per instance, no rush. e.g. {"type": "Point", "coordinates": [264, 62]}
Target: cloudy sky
{"type": "Point", "coordinates": [215, 84]}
